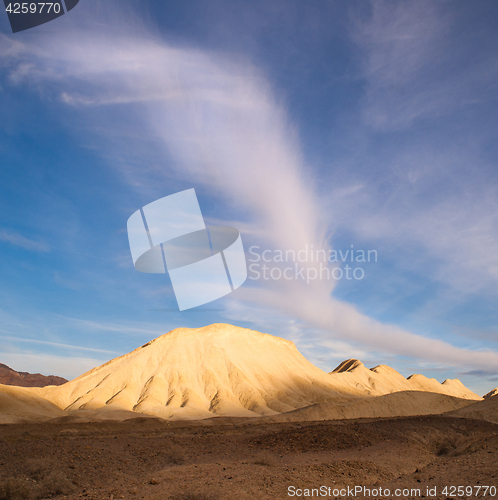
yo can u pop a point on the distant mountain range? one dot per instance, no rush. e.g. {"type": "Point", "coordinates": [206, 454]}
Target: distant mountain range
{"type": "Point", "coordinates": [8, 376]}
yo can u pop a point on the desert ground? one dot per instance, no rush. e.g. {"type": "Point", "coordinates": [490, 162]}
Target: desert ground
{"type": "Point", "coordinates": [149, 458]}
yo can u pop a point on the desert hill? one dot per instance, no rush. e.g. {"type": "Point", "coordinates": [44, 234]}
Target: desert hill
{"type": "Point", "coordinates": [491, 394]}
{"type": "Point", "coordinates": [20, 404]}
{"type": "Point", "coordinates": [384, 380]}
{"type": "Point", "coordinates": [396, 404]}
{"type": "Point", "coordinates": [482, 410]}
{"type": "Point", "coordinates": [219, 370]}
{"type": "Point", "coordinates": [8, 376]}
{"type": "Point", "coordinates": [224, 370]}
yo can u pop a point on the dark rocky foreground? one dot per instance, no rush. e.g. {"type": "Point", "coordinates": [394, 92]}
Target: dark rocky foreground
{"type": "Point", "coordinates": [241, 459]}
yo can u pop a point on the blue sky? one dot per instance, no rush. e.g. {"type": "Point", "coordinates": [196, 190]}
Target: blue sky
{"type": "Point", "coordinates": [330, 124]}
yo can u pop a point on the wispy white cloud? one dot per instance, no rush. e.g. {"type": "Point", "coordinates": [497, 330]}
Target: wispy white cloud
{"type": "Point", "coordinates": [454, 234]}
{"type": "Point", "coordinates": [343, 321]}
{"type": "Point", "coordinates": [19, 240]}
{"type": "Point", "coordinates": [125, 328]}
{"type": "Point", "coordinates": [55, 344]}
{"type": "Point", "coordinates": [218, 118]}
{"type": "Point", "coordinates": [411, 69]}
{"type": "Point", "coordinates": [432, 191]}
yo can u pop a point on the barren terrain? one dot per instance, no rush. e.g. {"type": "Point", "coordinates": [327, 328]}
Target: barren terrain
{"type": "Point", "coordinates": [149, 458]}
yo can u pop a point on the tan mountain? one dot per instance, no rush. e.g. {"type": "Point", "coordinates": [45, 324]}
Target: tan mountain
{"type": "Point", "coordinates": [384, 380]}
{"type": "Point", "coordinates": [491, 394]}
{"type": "Point", "coordinates": [19, 404]}
{"type": "Point", "coordinates": [8, 376]}
{"type": "Point", "coordinates": [200, 373]}
{"type": "Point", "coordinates": [482, 410]}
{"type": "Point", "coordinates": [396, 404]}
{"type": "Point", "coordinates": [224, 370]}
